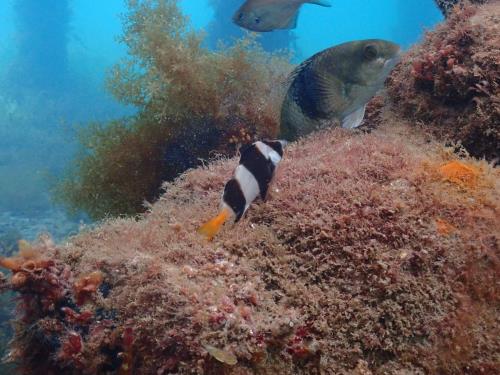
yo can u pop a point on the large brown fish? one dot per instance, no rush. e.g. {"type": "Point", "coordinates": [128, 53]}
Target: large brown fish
{"type": "Point", "coordinates": [336, 83]}
{"type": "Point", "coordinates": [269, 15]}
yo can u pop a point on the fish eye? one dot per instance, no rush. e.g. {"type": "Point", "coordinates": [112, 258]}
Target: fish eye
{"type": "Point", "coordinates": [370, 52]}
{"type": "Point", "coordinates": [240, 16]}
{"type": "Point", "coordinates": [257, 19]}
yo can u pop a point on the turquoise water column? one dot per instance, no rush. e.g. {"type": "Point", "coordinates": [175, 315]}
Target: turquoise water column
{"type": "Point", "coordinates": [42, 32]}
{"type": "Point", "coordinates": [413, 18]}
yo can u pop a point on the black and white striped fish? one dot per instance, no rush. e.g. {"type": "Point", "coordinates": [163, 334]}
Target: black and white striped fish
{"type": "Point", "coordinates": [251, 179]}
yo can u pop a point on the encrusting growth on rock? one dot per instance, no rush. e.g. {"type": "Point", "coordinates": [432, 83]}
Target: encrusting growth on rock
{"type": "Point", "coordinates": [86, 285]}
{"type": "Point", "coordinates": [443, 227]}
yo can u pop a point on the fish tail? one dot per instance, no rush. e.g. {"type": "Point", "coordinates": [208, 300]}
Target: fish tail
{"type": "Point", "coordinates": [212, 227]}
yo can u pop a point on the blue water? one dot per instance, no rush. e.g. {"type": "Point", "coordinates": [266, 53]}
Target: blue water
{"type": "Point", "coordinates": [401, 21]}
{"type": "Point", "coordinates": [39, 111]}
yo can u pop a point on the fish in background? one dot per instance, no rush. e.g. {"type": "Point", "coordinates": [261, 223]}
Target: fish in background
{"type": "Point", "coordinates": [336, 83]}
{"type": "Point", "coordinates": [269, 15]}
{"type": "Point", "coordinates": [251, 179]}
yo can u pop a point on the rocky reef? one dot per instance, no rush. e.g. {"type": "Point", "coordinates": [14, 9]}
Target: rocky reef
{"type": "Point", "coordinates": [450, 84]}
{"type": "Point", "coordinates": [377, 252]}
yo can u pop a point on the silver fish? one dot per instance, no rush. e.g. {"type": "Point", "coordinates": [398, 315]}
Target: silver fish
{"type": "Point", "coordinates": [269, 15]}
{"type": "Point", "coordinates": [336, 83]}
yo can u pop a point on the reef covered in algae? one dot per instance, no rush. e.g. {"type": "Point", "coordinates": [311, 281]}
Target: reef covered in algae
{"type": "Point", "coordinates": [376, 253]}
{"type": "Point", "coordinates": [451, 82]}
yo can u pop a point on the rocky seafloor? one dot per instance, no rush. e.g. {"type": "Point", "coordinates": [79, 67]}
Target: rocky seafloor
{"type": "Point", "coordinates": [377, 253]}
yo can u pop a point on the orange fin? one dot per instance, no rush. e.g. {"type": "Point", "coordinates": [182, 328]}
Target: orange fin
{"type": "Point", "coordinates": [212, 227]}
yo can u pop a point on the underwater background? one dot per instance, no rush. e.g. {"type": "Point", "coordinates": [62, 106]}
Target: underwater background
{"type": "Point", "coordinates": [55, 56]}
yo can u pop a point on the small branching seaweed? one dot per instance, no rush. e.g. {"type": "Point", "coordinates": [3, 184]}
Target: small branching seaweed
{"type": "Point", "coordinates": [450, 82]}
{"type": "Point", "coordinates": [193, 103]}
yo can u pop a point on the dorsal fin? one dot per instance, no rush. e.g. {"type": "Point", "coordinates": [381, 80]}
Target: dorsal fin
{"type": "Point", "coordinates": [244, 148]}
{"type": "Point", "coordinates": [299, 69]}
{"type": "Point", "coordinates": [292, 24]}
{"type": "Point", "coordinates": [323, 3]}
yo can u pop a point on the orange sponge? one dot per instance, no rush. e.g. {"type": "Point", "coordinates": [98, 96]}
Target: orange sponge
{"type": "Point", "coordinates": [459, 173]}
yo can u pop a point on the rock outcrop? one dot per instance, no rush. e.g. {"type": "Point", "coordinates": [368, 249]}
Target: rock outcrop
{"type": "Point", "coordinates": [450, 83]}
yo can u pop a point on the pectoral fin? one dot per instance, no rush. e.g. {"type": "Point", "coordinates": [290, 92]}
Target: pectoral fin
{"type": "Point", "coordinates": [354, 119]}
{"type": "Point", "coordinates": [326, 92]}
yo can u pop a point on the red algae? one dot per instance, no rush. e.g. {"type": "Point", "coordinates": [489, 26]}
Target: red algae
{"type": "Point", "coordinates": [449, 84]}
{"type": "Point", "coordinates": [127, 354]}
{"type": "Point", "coordinates": [71, 349]}
{"type": "Point", "coordinates": [86, 285]}
{"type": "Point", "coordinates": [73, 317]}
